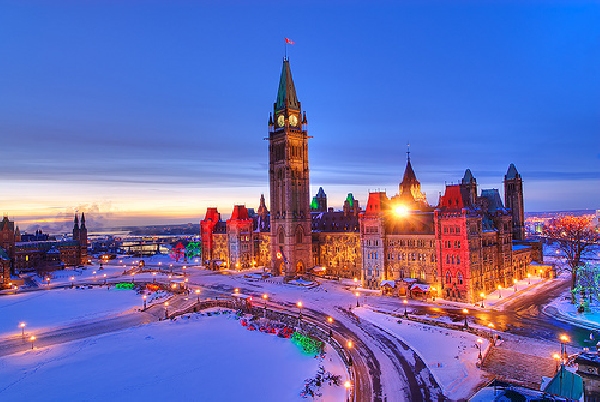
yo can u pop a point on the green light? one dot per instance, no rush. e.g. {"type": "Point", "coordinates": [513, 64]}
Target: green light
{"type": "Point", "coordinates": [310, 346]}
{"type": "Point", "coordinates": [350, 199]}
{"type": "Point", "coordinates": [125, 286]}
{"type": "Point", "coordinates": [314, 204]}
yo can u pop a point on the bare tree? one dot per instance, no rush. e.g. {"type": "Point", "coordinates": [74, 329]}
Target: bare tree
{"type": "Point", "coordinates": [575, 238]}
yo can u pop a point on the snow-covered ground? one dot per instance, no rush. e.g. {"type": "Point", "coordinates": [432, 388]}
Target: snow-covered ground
{"type": "Point", "coordinates": [53, 308]}
{"type": "Point", "coordinates": [450, 355]}
{"type": "Point", "coordinates": [204, 358]}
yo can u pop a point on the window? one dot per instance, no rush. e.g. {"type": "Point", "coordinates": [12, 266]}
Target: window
{"type": "Point", "coordinates": [460, 278]}
{"type": "Point", "coordinates": [448, 277]}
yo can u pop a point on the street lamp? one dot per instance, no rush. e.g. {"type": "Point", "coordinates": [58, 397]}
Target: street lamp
{"type": "Point", "coordinates": [299, 305]}
{"type": "Point", "coordinates": [433, 293]}
{"type": "Point", "coordinates": [491, 327]}
{"type": "Point", "coordinates": [104, 275]}
{"type": "Point", "coordinates": [482, 297]}
{"type": "Point", "coordinates": [347, 386]}
{"type": "Point", "coordinates": [349, 345]}
{"type": "Point", "coordinates": [357, 295]}
{"type": "Point", "coordinates": [499, 291]}
{"type": "Point", "coordinates": [515, 283]}
{"type": "Point", "coordinates": [48, 281]}
{"type": "Point", "coordinates": [465, 312]}
{"type": "Point", "coordinates": [264, 297]}
{"type": "Point", "coordinates": [133, 277]}
{"type": "Point", "coordinates": [330, 321]}
{"type": "Point", "coordinates": [556, 358]}
{"type": "Point", "coordinates": [153, 277]}
{"type": "Point", "coordinates": [32, 339]}
{"type": "Point", "coordinates": [166, 309]}
{"type": "Point", "coordinates": [144, 297]}
{"type": "Point", "coordinates": [22, 325]}
{"type": "Point", "coordinates": [72, 282]}
{"type": "Point", "coordinates": [529, 278]}
{"type": "Point", "coordinates": [197, 291]}
{"type": "Point", "coordinates": [355, 283]}
{"type": "Point", "coordinates": [563, 347]}
{"type": "Point", "coordinates": [405, 302]}
{"type": "Point", "coordinates": [479, 345]}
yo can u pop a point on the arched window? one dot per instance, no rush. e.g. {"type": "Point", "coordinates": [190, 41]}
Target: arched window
{"type": "Point", "coordinates": [447, 259]}
{"type": "Point", "coordinates": [460, 278]}
{"type": "Point", "coordinates": [448, 277]}
{"type": "Point", "coordinates": [281, 237]}
{"type": "Point", "coordinates": [423, 274]}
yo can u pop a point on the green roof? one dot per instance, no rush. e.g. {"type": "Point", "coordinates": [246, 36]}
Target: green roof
{"type": "Point", "coordinates": [566, 384]}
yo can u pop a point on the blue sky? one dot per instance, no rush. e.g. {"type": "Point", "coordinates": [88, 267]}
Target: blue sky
{"type": "Point", "coordinates": [148, 112]}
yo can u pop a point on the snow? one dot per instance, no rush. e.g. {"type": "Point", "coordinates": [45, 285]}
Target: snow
{"type": "Point", "coordinates": [203, 358]}
{"type": "Point", "coordinates": [450, 355]}
{"type": "Point", "coordinates": [52, 308]}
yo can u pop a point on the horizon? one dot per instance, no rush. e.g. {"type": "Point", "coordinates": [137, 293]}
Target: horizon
{"type": "Point", "coordinates": [134, 112]}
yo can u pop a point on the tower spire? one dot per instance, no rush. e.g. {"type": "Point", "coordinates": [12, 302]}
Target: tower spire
{"type": "Point", "coordinates": [286, 92]}
{"type": "Point", "coordinates": [408, 152]}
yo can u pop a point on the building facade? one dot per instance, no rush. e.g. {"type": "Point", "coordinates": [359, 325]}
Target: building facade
{"type": "Point", "coordinates": [40, 253]}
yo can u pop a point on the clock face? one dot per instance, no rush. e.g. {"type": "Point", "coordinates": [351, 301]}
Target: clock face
{"type": "Point", "coordinates": [293, 120]}
{"type": "Point", "coordinates": [280, 120]}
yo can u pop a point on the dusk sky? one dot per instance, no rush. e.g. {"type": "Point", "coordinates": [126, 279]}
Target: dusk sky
{"type": "Point", "coordinates": [148, 112]}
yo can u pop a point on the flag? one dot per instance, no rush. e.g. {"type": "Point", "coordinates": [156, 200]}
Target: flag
{"type": "Point", "coordinates": [288, 41]}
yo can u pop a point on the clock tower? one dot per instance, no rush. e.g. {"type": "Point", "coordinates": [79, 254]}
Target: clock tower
{"type": "Point", "coordinates": [291, 237]}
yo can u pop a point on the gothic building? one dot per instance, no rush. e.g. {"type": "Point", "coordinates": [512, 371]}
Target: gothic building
{"type": "Point", "coordinates": [397, 238]}
{"type": "Point", "coordinates": [40, 253]}
{"type": "Point", "coordinates": [461, 249]}
{"type": "Point", "coordinates": [291, 240]}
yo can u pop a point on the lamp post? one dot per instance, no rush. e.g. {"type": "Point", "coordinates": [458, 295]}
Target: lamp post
{"type": "Point", "coordinates": [299, 305]}
{"type": "Point", "coordinates": [563, 347]}
{"type": "Point", "coordinates": [355, 283]}
{"type": "Point", "coordinates": [491, 327]}
{"type": "Point", "coordinates": [22, 325]}
{"type": "Point", "coordinates": [357, 295]}
{"type": "Point", "coordinates": [133, 277]}
{"type": "Point", "coordinates": [405, 302]}
{"type": "Point", "coordinates": [529, 278]}
{"type": "Point", "coordinates": [330, 321]}
{"type": "Point", "coordinates": [482, 297]}
{"type": "Point", "coordinates": [144, 297]}
{"type": "Point", "coordinates": [515, 284]}
{"type": "Point", "coordinates": [499, 291]}
{"type": "Point", "coordinates": [48, 281]}
{"type": "Point", "coordinates": [104, 275]}
{"type": "Point", "coordinates": [349, 346]}
{"type": "Point", "coordinates": [479, 345]}
{"type": "Point", "coordinates": [94, 273]}
{"type": "Point", "coordinates": [72, 282]}
{"type": "Point", "coordinates": [197, 291]}
{"type": "Point", "coordinates": [556, 358]}
{"type": "Point", "coordinates": [347, 386]}
{"type": "Point", "coordinates": [153, 277]}
{"type": "Point", "coordinates": [433, 293]}
{"type": "Point", "coordinates": [166, 309]}
{"type": "Point", "coordinates": [465, 312]}
{"type": "Point", "coordinates": [32, 339]}
{"type": "Point", "coordinates": [264, 297]}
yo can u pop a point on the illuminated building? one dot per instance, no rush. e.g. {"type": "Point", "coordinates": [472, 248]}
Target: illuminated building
{"type": "Point", "coordinates": [291, 240]}
{"type": "Point", "coordinates": [42, 253]}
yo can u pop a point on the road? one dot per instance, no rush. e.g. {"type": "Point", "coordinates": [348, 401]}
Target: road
{"type": "Point", "coordinates": [523, 315]}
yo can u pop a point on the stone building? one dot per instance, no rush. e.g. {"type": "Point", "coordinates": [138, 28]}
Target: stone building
{"type": "Point", "coordinates": [398, 239]}
{"type": "Point", "coordinates": [42, 253]}
{"type": "Point", "coordinates": [291, 240]}
{"type": "Point", "coordinates": [336, 238]}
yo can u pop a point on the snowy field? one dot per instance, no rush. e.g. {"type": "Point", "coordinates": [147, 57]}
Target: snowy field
{"type": "Point", "coordinates": [54, 308]}
{"type": "Point", "coordinates": [204, 358]}
{"type": "Point", "coordinates": [450, 355]}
